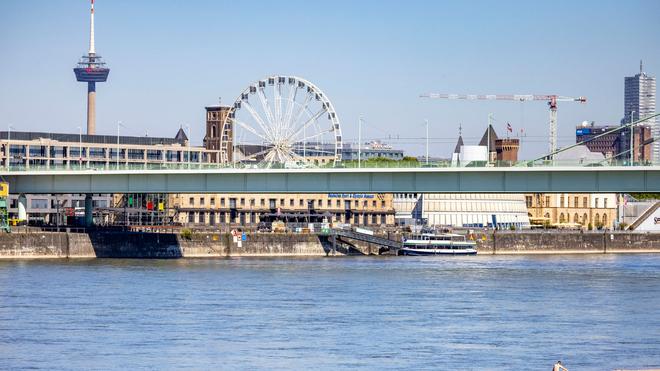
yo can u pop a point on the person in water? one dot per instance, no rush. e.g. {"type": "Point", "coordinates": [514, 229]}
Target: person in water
{"type": "Point", "coordinates": [559, 367]}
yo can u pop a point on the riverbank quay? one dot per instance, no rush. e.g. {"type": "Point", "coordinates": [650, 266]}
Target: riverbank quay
{"type": "Point", "coordinates": [36, 244]}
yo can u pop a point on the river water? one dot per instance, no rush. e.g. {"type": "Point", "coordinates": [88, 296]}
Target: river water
{"type": "Point", "coordinates": [593, 312]}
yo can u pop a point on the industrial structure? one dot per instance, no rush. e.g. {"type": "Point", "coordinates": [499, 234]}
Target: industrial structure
{"type": "Point", "coordinates": [550, 99]}
{"type": "Point", "coordinates": [91, 69]}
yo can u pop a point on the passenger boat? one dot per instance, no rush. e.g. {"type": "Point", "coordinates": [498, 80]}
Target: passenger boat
{"type": "Point", "coordinates": [438, 244]}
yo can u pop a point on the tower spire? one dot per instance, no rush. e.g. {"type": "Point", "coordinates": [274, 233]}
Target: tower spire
{"type": "Point", "coordinates": [92, 49]}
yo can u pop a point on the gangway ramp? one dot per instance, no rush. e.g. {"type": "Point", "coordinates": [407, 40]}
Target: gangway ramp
{"type": "Point", "coordinates": [346, 234]}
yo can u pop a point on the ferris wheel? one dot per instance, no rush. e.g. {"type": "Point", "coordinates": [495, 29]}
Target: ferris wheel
{"type": "Point", "coordinates": [281, 120]}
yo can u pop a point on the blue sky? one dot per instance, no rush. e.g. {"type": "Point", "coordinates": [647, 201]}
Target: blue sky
{"type": "Point", "coordinates": [169, 59]}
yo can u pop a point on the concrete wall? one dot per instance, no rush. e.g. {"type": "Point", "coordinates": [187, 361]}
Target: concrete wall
{"type": "Point", "coordinates": [153, 245]}
{"type": "Point", "coordinates": [163, 245]}
{"type": "Point", "coordinates": [567, 242]}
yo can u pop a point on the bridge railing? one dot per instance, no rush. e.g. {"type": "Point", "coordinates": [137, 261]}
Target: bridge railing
{"type": "Point", "coordinates": [342, 165]}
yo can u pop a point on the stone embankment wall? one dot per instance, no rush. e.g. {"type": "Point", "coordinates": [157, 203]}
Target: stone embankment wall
{"type": "Point", "coordinates": [153, 245]}
{"type": "Point", "coordinates": [165, 245]}
{"type": "Point", "coordinates": [546, 242]}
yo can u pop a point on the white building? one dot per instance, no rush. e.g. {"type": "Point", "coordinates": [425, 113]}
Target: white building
{"type": "Point", "coordinates": [475, 210]}
{"type": "Point", "coordinates": [471, 210]}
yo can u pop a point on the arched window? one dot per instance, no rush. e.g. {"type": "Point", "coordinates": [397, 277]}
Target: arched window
{"type": "Point", "coordinates": [597, 219]}
{"type": "Point", "coordinates": [576, 218]}
{"type": "Point", "coordinates": [585, 219]}
{"type": "Point", "coordinates": [605, 219]}
{"type": "Point", "coordinates": [561, 218]}
{"type": "Point", "coordinates": [547, 215]}
{"type": "Point", "coordinates": [213, 131]}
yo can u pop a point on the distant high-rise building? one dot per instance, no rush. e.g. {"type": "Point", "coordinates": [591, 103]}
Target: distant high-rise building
{"type": "Point", "coordinates": [639, 101]}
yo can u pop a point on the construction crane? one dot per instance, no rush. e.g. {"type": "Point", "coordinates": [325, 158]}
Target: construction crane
{"type": "Point", "coordinates": [550, 99]}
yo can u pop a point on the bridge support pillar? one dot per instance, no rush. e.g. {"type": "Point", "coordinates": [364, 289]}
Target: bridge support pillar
{"type": "Point", "coordinates": [22, 208]}
{"type": "Point", "coordinates": [89, 220]}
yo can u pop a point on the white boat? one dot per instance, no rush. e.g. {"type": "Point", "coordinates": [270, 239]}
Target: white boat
{"type": "Point", "coordinates": [438, 244]}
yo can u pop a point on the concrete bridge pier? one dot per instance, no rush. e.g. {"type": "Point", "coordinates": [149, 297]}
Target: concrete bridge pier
{"type": "Point", "coordinates": [22, 207]}
{"type": "Point", "coordinates": [89, 208]}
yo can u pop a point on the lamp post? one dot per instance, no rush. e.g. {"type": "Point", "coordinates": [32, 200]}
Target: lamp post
{"type": "Point", "coordinates": [632, 148]}
{"type": "Point", "coordinates": [119, 124]}
{"type": "Point", "coordinates": [79, 146]}
{"type": "Point", "coordinates": [427, 142]}
{"type": "Point", "coordinates": [189, 160]}
{"type": "Point", "coordinates": [9, 127]}
{"type": "Point", "coordinates": [360, 142]}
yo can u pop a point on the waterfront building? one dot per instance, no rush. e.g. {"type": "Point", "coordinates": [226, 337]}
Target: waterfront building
{"type": "Point", "coordinates": [616, 144]}
{"type": "Point", "coordinates": [56, 150]}
{"type": "Point", "coordinates": [477, 210]}
{"type": "Point", "coordinates": [47, 150]}
{"type": "Point", "coordinates": [62, 209]}
{"type": "Point", "coordinates": [639, 101]}
{"type": "Point", "coordinates": [572, 209]}
{"type": "Point", "coordinates": [365, 209]}
{"type": "Point", "coordinates": [407, 208]}
{"type": "Point", "coordinates": [469, 210]}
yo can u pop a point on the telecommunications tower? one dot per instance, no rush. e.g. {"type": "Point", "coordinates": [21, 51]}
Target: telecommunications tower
{"type": "Point", "coordinates": [91, 69]}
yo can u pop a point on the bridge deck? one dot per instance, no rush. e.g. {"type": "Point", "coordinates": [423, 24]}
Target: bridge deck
{"type": "Point", "coordinates": [335, 180]}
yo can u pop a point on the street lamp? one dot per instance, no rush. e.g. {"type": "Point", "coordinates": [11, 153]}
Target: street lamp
{"type": "Point", "coordinates": [632, 148]}
{"type": "Point", "coordinates": [9, 127]}
{"type": "Point", "coordinates": [80, 146]}
{"type": "Point", "coordinates": [119, 124]}
{"type": "Point", "coordinates": [189, 160]}
{"type": "Point", "coordinates": [427, 142]}
{"type": "Point", "coordinates": [360, 142]}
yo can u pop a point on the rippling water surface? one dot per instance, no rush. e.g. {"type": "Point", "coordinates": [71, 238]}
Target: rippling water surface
{"type": "Point", "coordinates": [504, 312]}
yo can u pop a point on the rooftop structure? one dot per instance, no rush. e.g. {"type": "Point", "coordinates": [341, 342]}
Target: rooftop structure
{"type": "Point", "coordinates": [91, 69]}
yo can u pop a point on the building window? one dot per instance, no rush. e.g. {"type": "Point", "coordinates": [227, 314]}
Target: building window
{"type": "Point", "coordinates": [338, 203]}
{"type": "Point", "coordinates": [252, 202]}
{"type": "Point", "coordinates": [281, 202]}
{"type": "Point", "coordinates": [374, 219]}
{"type": "Point", "coordinates": [202, 200]}
{"type": "Point", "coordinates": [222, 202]}
{"type": "Point", "coordinates": [596, 205]}
{"type": "Point", "coordinates": [191, 201]}
{"type": "Point", "coordinates": [561, 201]}
{"type": "Point", "coordinates": [263, 202]}
{"type": "Point", "coordinates": [373, 203]}
{"type": "Point", "coordinates": [301, 203]}
{"type": "Point", "coordinates": [364, 204]}
{"type": "Point", "coordinates": [202, 218]}
{"type": "Point", "coordinates": [605, 220]}
{"type": "Point", "coordinates": [252, 218]}
{"type": "Point", "coordinates": [212, 201]}
{"type": "Point", "coordinates": [242, 202]}
{"type": "Point", "coordinates": [604, 205]}
{"type": "Point", "coordinates": [291, 202]}
{"type": "Point", "coordinates": [585, 202]}
{"type": "Point", "coordinates": [561, 218]}
{"type": "Point", "coordinates": [547, 201]}
{"type": "Point", "coordinates": [528, 201]}
{"type": "Point", "coordinates": [383, 219]}
{"type": "Point", "coordinates": [575, 202]}
{"type": "Point", "coordinates": [382, 204]}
